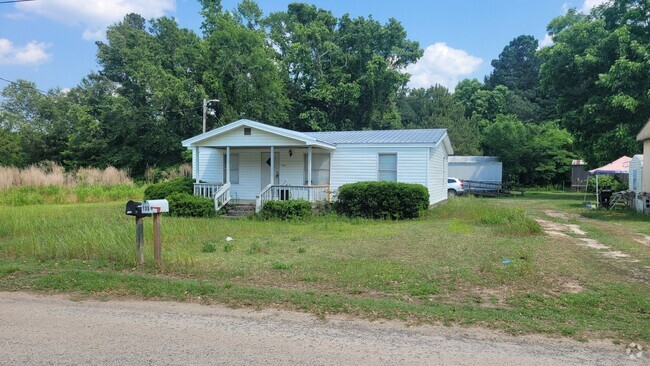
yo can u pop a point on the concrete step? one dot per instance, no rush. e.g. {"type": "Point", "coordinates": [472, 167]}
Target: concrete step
{"type": "Point", "coordinates": [239, 210]}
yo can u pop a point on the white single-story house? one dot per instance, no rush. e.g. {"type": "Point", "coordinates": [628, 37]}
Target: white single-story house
{"type": "Point", "coordinates": [252, 161]}
{"type": "Point", "coordinates": [486, 169]}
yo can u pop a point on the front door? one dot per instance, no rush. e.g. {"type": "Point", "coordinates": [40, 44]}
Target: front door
{"type": "Point", "coordinates": [266, 169]}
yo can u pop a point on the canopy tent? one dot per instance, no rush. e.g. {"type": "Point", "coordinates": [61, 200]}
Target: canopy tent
{"type": "Point", "coordinates": [618, 166]}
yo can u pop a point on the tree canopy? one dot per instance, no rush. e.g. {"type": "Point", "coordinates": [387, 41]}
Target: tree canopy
{"type": "Point", "coordinates": [303, 68]}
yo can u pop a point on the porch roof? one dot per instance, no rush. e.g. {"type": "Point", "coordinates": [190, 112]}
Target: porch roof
{"type": "Point", "coordinates": [299, 137]}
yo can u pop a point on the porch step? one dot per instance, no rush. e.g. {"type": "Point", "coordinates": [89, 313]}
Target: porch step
{"type": "Point", "coordinates": [239, 210]}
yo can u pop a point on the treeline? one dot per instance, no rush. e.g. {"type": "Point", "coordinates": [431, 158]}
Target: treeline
{"type": "Point", "coordinates": [305, 69]}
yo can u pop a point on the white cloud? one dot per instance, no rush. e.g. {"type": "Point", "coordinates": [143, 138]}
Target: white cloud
{"type": "Point", "coordinates": [32, 53]}
{"type": "Point", "coordinates": [96, 15]}
{"type": "Point", "coordinates": [442, 65]}
{"type": "Point", "coordinates": [590, 4]}
{"type": "Point", "coordinates": [545, 42]}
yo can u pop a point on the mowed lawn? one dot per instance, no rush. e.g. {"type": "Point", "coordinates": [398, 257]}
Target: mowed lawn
{"type": "Point", "coordinates": [447, 267]}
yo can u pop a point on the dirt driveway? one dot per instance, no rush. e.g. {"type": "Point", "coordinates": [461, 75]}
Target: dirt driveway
{"type": "Point", "coordinates": [52, 329]}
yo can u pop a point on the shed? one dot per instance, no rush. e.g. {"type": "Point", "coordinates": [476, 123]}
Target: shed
{"type": "Point", "coordinates": [253, 161]}
{"type": "Point", "coordinates": [476, 168]}
{"type": "Point", "coordinates": [579, 175]}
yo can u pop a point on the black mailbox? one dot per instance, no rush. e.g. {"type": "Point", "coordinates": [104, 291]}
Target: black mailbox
{"type": "Point", "coordinates": [134, 208]}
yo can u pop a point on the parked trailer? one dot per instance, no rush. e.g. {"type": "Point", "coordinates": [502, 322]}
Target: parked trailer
{"type": "Point", "coordinates": [476, 168]}
{"type": "Point", "coordinates": [490, 189]}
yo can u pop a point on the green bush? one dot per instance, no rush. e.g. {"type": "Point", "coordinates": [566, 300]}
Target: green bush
{"type": "Point", "coordinates": [165, 189]}
{"type": "Point", "coordinates": [286, 210]}
{"type": "Point", "coordinates": [605, 181]}
{"type": "Point", "coordinates": [382, 200]}
{"type": "Point", "coordinates": [187, 205]}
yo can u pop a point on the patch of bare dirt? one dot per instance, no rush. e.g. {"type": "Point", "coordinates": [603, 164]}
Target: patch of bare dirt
{"type": "Point", "coordinates": [593, 243]}
{"type": "Point", "coordinates": [559, 215]}
{"type": "Point", "coordinates": [645, 239]}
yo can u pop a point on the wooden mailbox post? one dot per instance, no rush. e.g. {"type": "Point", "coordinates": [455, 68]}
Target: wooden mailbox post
{"type": "Point", "coordinates": [140, 210]}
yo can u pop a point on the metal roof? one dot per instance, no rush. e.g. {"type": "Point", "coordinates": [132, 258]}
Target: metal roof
{"type": "Point", "coordinates": [429, 136]}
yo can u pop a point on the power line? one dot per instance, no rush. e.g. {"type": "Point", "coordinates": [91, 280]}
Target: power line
{"type": "Point", "coordinates": [33, 87]}
{"type": "Point", "coordinates": [14, 1]}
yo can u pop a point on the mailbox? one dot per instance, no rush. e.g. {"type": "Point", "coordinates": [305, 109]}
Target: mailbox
{"type": "Point", "coordinates": [155, 206]}
{"type": "Point", "coordinates": [134, 208]}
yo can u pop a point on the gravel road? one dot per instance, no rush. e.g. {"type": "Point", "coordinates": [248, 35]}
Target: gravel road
{"type": "Point", "coordinates": [54, 330]}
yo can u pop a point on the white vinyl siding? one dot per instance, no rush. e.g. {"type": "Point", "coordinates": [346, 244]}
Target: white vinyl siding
{"type": "Point", "coordinates": [236, 137]}
{"type": "Point", "coordinates": [387, 167]}
{"type": "Point", "coordinates": [209, 165]}
{"type": "Point", "coordinates": [438, 174]}
{"type": "Point", "coordinates": [349, 164]}
{"type": "Point", "coordinates": [320, 169]}
{"type": "Point", "coordinates": [234, 168]}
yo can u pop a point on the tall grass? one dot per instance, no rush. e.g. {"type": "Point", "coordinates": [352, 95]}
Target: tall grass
{"type": "Point", "coordinates": [154, 174]}
{"type": "Point", "coordinates": [508, 220]}
{"type": "Point", "coordinates": [50, 183]}
{"type": "Point", "coordinates": [51, 174]}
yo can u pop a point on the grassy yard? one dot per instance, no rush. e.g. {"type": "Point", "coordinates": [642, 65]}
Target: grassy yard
{"type": "Point", "coordinates": [447, 267]}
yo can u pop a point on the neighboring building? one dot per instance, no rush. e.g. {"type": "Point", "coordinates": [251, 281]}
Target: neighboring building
{"type": "Point", "coordinates": [248, 160]}
{"type": "Point", "coordinates": [636, 181]}
{"type": "Point", "coordinates": [643, 194]}
{"type": "Point", "coordinates": [476, 168]}
{"type": "Point", "coordinates": [579, 175]}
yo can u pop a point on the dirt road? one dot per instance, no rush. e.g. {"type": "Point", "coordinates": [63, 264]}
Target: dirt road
{"type": "Point", "coordinates": [40, 329]}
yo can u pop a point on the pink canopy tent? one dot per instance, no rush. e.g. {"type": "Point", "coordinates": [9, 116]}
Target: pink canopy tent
{"type": "Point", "coordinates": [618, 166]}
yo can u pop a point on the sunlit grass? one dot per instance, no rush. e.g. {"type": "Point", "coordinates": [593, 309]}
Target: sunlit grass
{"type": "Point", "coordinates": [447, 266]}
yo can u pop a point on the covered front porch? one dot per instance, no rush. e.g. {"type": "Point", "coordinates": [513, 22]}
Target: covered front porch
{"type": "Point", "coordinates": [250, 163]}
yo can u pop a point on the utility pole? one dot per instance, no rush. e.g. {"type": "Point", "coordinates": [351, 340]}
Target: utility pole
{"type": "Point", "coordinates": [205, 108]}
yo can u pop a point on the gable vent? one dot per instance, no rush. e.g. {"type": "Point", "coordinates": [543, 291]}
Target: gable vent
{"type": "Point", "coordinates": [247, 131]}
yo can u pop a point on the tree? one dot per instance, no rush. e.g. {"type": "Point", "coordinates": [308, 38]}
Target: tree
{"type": "Point", "coordinates": [531, 154]}
{"type": "Point", "coordinates": [35, 120]}
{"type": "Point", "coordinates": [342, 73]}
{"type": "Point", "coordinates": [240, 67]}
{"type": "Point", "coordinates": [155, 73]}
{"type": "Point", "coordinates": [435, 107]}
{"type": "Point", "coordinates": [599, 71]}
{"type": "Point", "coordinates": [517, 67]}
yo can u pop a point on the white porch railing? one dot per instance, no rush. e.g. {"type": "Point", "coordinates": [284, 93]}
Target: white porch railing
{"type": "Point", "coordinates": [286, 192]}
{"type": "Point", "coordinates": [222, 197]}
{"type": "Point", "coordinates": [207, 190]}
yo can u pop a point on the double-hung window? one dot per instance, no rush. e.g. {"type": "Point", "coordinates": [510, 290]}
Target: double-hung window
{"type": "Point", "coordinates": [234, 168]}
{"type": "Point", "coordinates": [387, 167]}
{"type": "Point", "coordinates": [320, 169]}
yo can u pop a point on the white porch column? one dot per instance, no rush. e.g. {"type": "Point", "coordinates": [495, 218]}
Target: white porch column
{"type": "Point", "coordinates": [272, 165]}
{"type": "Point", "coordinates": [309, 165]}
{"type": "Point", "coordinates": [227, 164]}
{"type": "Point", "coordinates": [198, 166]}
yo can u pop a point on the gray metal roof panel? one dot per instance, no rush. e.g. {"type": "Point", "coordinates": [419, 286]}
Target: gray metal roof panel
{"type": "Point", "coordinates": [428, 136]}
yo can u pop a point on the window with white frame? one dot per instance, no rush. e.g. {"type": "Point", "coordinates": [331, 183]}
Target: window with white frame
{"type": "Point", "coordinates": [387, 167]}
{"type": "Point", "coordinates": [320, 169]}
{"type": "Point", "coordinates": [234, 168]}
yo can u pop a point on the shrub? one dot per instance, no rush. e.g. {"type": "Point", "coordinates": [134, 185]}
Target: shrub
{"type": "Point", "coordinates": [165, 189]}
{"type": "Point", "coordinates": [286, 210]}
{"type": "Point", "coordinates": [187, 205]}
{"type": "Point", "coordinates": [605, 181]}
{"type": "Point", "coordinates": [382, 200]}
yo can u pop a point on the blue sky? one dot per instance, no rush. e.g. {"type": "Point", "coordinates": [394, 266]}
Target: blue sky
{"type": "Point", "coordinates": [51, 42]}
